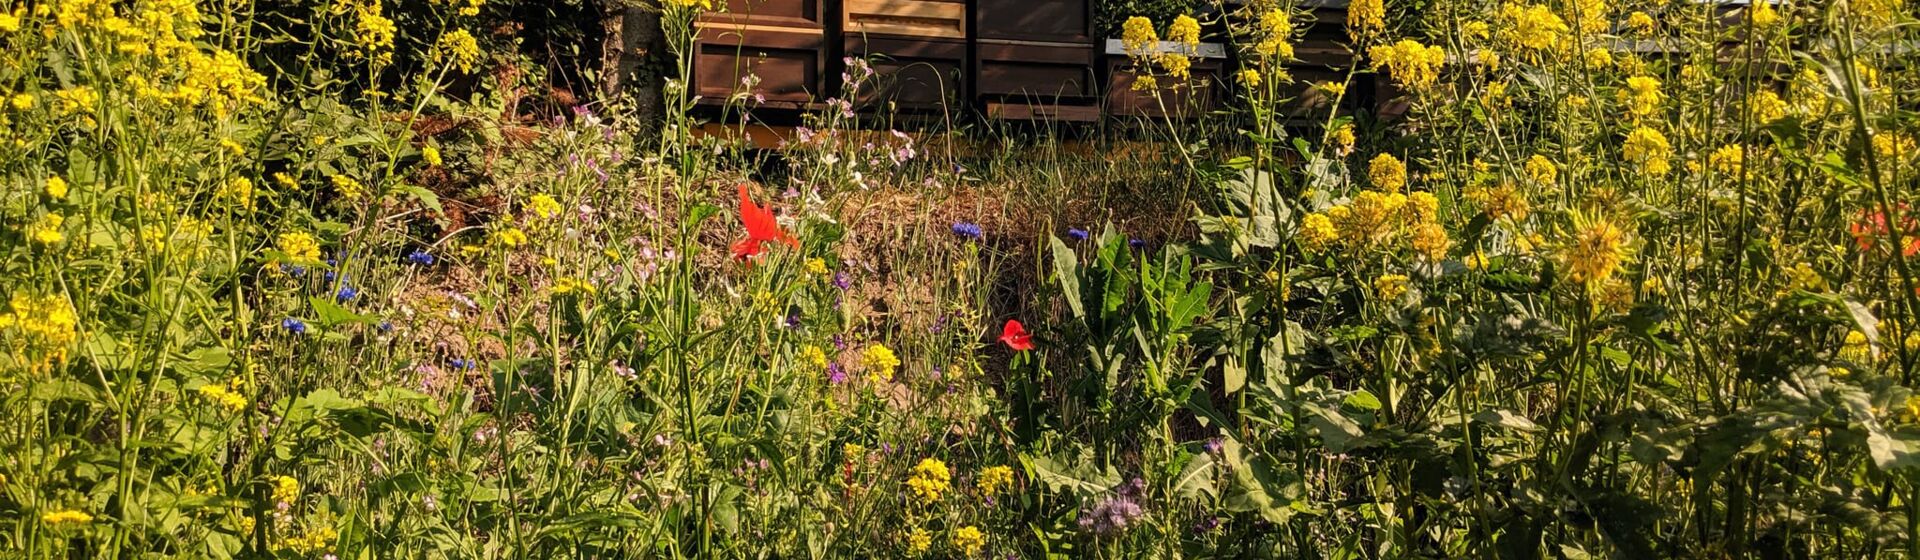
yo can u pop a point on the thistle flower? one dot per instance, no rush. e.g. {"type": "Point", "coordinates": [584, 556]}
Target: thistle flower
{"type": "Point", "coordinates": [1112, 515]}
{"type": "Point", "coordinates": [1595, 252]}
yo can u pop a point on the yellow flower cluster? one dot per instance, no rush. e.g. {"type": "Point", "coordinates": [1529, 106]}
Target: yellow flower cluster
{"type": "Point", "coordinates": [348, 187]}
{"type": "Point", "coordinates": [508, 237]}
{"type": "Point", "coordinates": [1389, 287]}
{"type": "Point", "coordinates": [1541, 170]}
{"type": "Point", "coordinates": [1765, 106]}
{"type": "Point", "coordinates": [1316, 232]}
{"type": "Point", "coordinates": [1727, 160]}
{"type": "Point", "coordinates": [1412, 64]}
{"type": "Point", "coordinates": [1274, 33]}
{"type": "Point", "coordinates": [224, 395]}
{"type": "Point", "coordinates": [993, 480]}
{"type": "Point", "coordinates": [919, 541]}
{"type": "Point", "coordinates": [48, 229]}
{"type": "Point", "coordinates": [1642, 96]}
{"type": "Point", "coordinates": [686, 4]}
{"type": "Point", "coordinates": [460, 47]}
{"type": "Point", "coordinates": [45, 322]}
{"type": "Point", "coordinates": [1138, 36]}
{"type": "Point", "coordinates": [1595, 252]}
{"type": "Point", "coordinates": [1531, 27]}
{"type": "Point", "coordinates": [313, 540]}
{"type": "Point", "coordinates": [373, 33]}
{"type": "Point", "coordinates": [930, 479]}
{"type": "Point", "coordinates": [1386, 173]}
{"type": "Point", "coordinates": [66, 517]}
{"type": "Point", "coordinates": [543, 206]}
{"type": "Point", "coordinates": [814, 357]}
{"type": "Point", "coordinates": [286, 489]}
{"type": "Point", "coordinates": [1648, 148]}
{"type": "Point", "coordinates": [880, 363]}
{"type": "Point", "coordinates": [968, 540]}
{"type": "Point", "coordinates": [299, 247]}
{"type": "Point", "coordinates": [1501, 201]}
{"type": "Point", "coordinates": [1185, 30]}
{"type": "Point", "coordinates": [1366, 18]}
{"type": "Point", "coordinates": [56, 187]}
{"type": "Point", "coordinates": [568, 285]}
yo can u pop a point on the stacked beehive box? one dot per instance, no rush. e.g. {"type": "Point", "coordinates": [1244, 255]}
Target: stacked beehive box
{"type": "Point", "coordinates": [773, 51]}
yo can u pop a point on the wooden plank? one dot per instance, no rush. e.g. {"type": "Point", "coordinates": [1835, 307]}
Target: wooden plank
{"type": "Point", "coordinates": [912, 18]}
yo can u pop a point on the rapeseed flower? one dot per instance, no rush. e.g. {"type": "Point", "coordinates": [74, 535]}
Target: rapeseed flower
{"type": "Point", "coordinates": [1138, 36]}
{"type": "Point", "coordinates": [1648, 149]}
{"type": "Point", "coordinates": [1386, 173]}
{"type": "Point", "coordinates": [930, 479]}
{"type": "Point", "coordinates": [992, 480]}
{"type": "Point", "coordinates": [1316, 232]}
{"type": "Point", "coordinates": [1430, 240]}
{"type": "Point", "coordinates": [968, 540]}
{"type": "Point", "coordinates": [1642, 96]}
{"type": "Point", "coordinates": [1185, 30]}
{"type": "Point", "coordinates": [1531, 27]}
{"type": "Point", "coordinates": [879, 362]}
{"type": "Point", "coordinates": [1765, 106]}
{"type": "Point", "coordinates": [1412, 64]}
{"type": "Point", "coordinates": [543, 206]}
{"type": "Point", "coordinates": [460, 47]}
{"type": "Point", "coordinates": [348, 187]}
{"type": "Point", "coordinates": [1389, 287]}
{"type": "Point", "coordinates": [919, 541]}
{"type": "Point", "coordinates": [1727, 159]}
{"type": "Point", "coordinates": [1366, 18]}
{"type": "Point", "coordinates": [508, 237]}
{"type": "Point", "coordinates": [47, 230]}
{"type": "Point", "coordinates": [299, 247]}
{"type": "Point", "coordinates": [1541, 170]}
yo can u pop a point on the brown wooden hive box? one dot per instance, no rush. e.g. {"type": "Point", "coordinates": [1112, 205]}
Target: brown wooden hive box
{"type": "Point", "coordinates": [1196, 95]}
{"type": "Point", "coordinates": [917, 50]}
{"type": "Point", "coordinates": [1038, 53]}
{"type": "Point", "coordinates": [783, 43]}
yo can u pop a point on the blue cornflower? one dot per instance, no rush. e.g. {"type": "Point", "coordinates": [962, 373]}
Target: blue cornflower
{"type": "Point", "coordinates": [419, 257]}
{"type": "Point", "coordinates": [461, 363]}
{"type": "Point", "coordinates": [968, 230]}
{"type": "Point", "coordinates": [1137, 243]}
{"type": "Point", "coordinates": [329, 276]}
{"type": "Point", "coordinates": [386, 326]}
{"type": "Point", "coordinates": [1077, 234]}
{"type": "Point", "coordinates": [295, 271]}
{"type": "Point", "coordinates": [346, 293]}
{"type": "Point", "coordinates": [293, 325]}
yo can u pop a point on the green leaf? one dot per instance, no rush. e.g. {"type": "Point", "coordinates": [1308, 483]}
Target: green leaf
{"type": "Point", "coordinates": [1066, 271]}
{"type": "Point", "coordinates": [1506, 419]}
{"type": "Point", "coordinates": [1082, 479]}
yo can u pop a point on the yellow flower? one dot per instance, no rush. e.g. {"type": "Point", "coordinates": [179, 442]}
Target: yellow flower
{"type": "Point", "coordinates": [1762, 14]}
{"type": "Point", "coordinates": [1591, 15]}
{"type": "Point", "coordinates": [1642, 96]}
{"type": "Point", "coordinates": [1145, 82]}
{"type": "Point", "coordinates": [814, 356]}
{"type": "Point", "coordinates": [1412, 64]}
{"type": "Point", "coordinates": [286, 181]}
{"type": "Point", "coordinates": [56, 187]}
{"type": "Point", "coordinates": [1423, 207]}
{"type": "Point", "coordinates": [1640, 22]}
{"type": "Point", "coordinates": [1316, 232]}
{"type": "Point", "coordinates": [1430, 240]}
{"type": "Point", "coordinates": [46, 230]}
{"type": "Point", "coordinates": [1342, 139]}
{"type": "Point", "coordinates": [508, 237]}
{"type": "Point", "coordinates": [1595, 252]}
{"type": "Point", "coordinates": [1386, 173]}
{"type": "Point", "coordinates": [46, 321]}
{"type": "Point", "coordinates": [285, 489]}
{"type": "Point", "coordinates": [1648, 149]}
{"type": "Point", "coordinates": [21, 101]}
{"type": "Point", "coordinates": [1878, 12]}
{"type": "Point", "coordinates": [1366, 18]}
{"type": "Point", "coordinates": [348, 187]}
{"type": "Point", "coordinates": [66, 517]}
{"type": "Point", "coordinates": [9, 22]}
{"type": "Point", "coordinates": [1177, 65]}
{"type": "Point", "coordinates": [1275, 29]}
{"type": "Point", "coordinates": [1765, 106]}
{"type": "Point", "coordinates": [237, 189]}
{"type": "Point", "coordinates": [567, 285]}
{"type": "Point", "coordinates": [77, 99]}
{"type": "Point", "coordinates": [1599, 57]}
{"type": "Point", "coordinates": [373, 34]}
{"type": "Point", "coordinates": [299, 247]}
{"type": "Point", "coordinates": [1727, 159]}
{"type": "Point", "coordinates": [1138, 36]}
{"type": "Point", "coordinates": [969, 540]}
{"type": "Point", "coordinates": [430, 154]}
{"type": "Point", "coordinates": [543, 206]}
{"type": "Point", "coordinates": [930, 479]}
{"type": "Point", "coordinates": [879, 362]}
{"type": "Point", "coordinates": [1857, 348]}
{"type": "Point", "coordinates": [1502, 201]}
{"type": "Point", "coordinates": [1531, 26]}
{"type": "Point", "coordinates": [992, 480]}
{"type": "Point", "coordinates": [817, 266]}
{"type": "Point", "coordinates": [1184, 30]}
{"type": "Point", "coordinates": [1541, 170]}
{"type": "Point", "coordinates": [1335, 89]}
{"type": "Point", "coordinates": [683, 4]}
{"type": "Point", "coordinates": [1389, 287]}
{"type": "Point", "coordinates": [461, 47]}
{"type": "Point", "coordinates": [919, 541]}
{"type": "Point", "coordinates": [221, 395]}
{"type": "Point", "coordinates": [1892, 147]}
{"type": "Point", "coordinates": [1250, 78]}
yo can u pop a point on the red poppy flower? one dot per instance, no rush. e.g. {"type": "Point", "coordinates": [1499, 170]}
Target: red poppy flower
{"type": "Point", "coordinates": [762, 227]}
{"type": "Point", "coordinates": [1873, 225]}
{"type": "Point", "coordinates": [1016, 336]}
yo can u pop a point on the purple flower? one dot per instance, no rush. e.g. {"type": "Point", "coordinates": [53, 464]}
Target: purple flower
{"type": "Point", "coordinates": [295, 271]}
{"type": "Point", "coordinates": [293, 326]}
{"type": "Point", "coordinates": [1110, 515]}
{"type": "Point", "coordinates": [840, 280]}
{"type": "Point", "coordinates": [968, 230]}
{"type": "Point", "coordinates": [836, 374]}
{"type": "Point", "coordinates": [793, 319]}
{"type": "Point", "coordinates": [1077, 234]}
{"type": "Point", "coordinates": [1137, 243]}
{"type": "Point", "coordinates": [1212, 445]}
{"type": "Point", "coordinates": [461, 363]}
{"type": "Point", "coordinates": [1207, 524]}
{"type": "Point", "coordinates": [419, 257]}
{"type": "Point", "coordinates": [386, 326]}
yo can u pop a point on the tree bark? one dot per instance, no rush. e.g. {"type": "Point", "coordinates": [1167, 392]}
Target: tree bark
{"type": "Point", "coordinates": [632, 65]}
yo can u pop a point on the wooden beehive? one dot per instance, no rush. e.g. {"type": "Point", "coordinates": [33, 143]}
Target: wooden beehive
{"type": "Point", "coordinates": [917, 51]}
{"type": "Point", "coordinates": [1038, 53]}
{"type": "Point", "coordinates": [780, 43]}
{"type": "Point", "coordinates": [1197, 94]}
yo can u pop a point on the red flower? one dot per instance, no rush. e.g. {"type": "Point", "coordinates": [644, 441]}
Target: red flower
{"type": "Point", "coordinates": [1016, 336]}
{"type": "Point", "coordinates": [1873, 225]}
{"type": "Point", "coordinates": [761, 228]}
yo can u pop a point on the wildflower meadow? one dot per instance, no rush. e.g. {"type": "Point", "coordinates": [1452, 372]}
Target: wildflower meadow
{"type": "Point", "coordinates": [359, 279]}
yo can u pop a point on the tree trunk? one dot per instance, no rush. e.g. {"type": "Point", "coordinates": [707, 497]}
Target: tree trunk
{"type": "Point", "coordinates": [633, 64]}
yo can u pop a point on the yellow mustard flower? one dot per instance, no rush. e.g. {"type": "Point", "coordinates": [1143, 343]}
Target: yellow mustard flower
{"type": "Point", "coordinates": [929, 480]}
{"type": "Point", "coordinates": [1648, 148]}
{"type": "Point", "coordinates": [968, 540]}
{"type": "Point", "coordinates": [1389, 287]}
{"type": "Point", "coordinates": [300, 248]}
{"type": "Point", "coordinates": [992, 480]}
{"type": "Point", "coordinates": [879, 362]}
{"type": "Point", "coordinates": [47, 230]}
{"type": "Point", "coordinates": [1386, 173]}
{"type": "Point", "coordinates": [1595, 252]}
